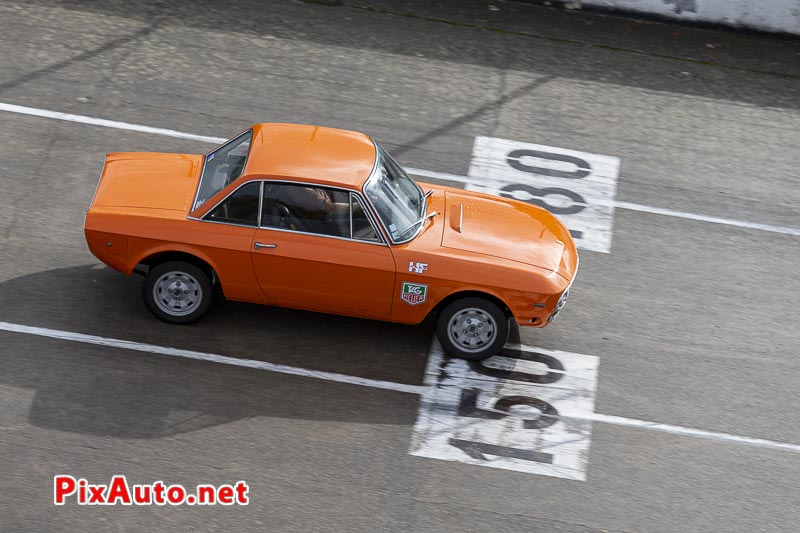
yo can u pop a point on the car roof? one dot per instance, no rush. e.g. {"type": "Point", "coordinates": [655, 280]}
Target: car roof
{"type": "Point", "coordinates": [316, 154]}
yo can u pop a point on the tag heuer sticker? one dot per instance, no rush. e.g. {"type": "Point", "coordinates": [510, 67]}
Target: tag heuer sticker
{"type": "Point", "coordinates": [414, 293]}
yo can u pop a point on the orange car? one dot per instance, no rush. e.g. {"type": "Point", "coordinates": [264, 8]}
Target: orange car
{"type": "Point", "coordinates": [325, 220]}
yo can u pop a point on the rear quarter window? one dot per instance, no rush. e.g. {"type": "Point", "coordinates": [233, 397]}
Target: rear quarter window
{"type": "Point", "coordinates": [241, 207]}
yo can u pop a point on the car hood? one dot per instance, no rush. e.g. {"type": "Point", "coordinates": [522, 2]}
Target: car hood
{"type": "Point", "coordinates": [508, 229]}
{"type": "Point", "coordinates": [148, 180]}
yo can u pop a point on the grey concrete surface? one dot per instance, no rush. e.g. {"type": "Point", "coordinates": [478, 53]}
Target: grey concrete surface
{"type": "Point", "coordinates": [695, 324]}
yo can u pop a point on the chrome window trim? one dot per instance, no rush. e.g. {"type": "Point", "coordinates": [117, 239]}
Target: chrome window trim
{"type": "Point", "coordinates": [375, 225]}
{"type": "Point", "coordinates": [223, 223]}
{"type": "Point", "coordinates": [260, 203]}
{"type": "Point", "coordinates": [347, 239]}
{"type": "Point", "coordinates": [372, 220]}
{"type": "Point", "coordinates": [372, 223]}
{"type": "Point", "coordinates": [246, 183]}
{"type": "Point", "coordinates": [351, 215]}
{"type": "Point", "coordinates": [372, 176]}
{"type": "Point", "coordinates": [221, 146]}
{"type": "Point", "coordinates": [344, 189]}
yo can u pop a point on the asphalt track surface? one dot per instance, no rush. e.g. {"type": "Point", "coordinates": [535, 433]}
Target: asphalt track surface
{"type": "Point", "coordinates": [694, 323]}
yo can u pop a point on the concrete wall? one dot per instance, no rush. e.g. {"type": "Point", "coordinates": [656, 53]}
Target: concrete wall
{"type": "Point", "coordinates": [769, 15]}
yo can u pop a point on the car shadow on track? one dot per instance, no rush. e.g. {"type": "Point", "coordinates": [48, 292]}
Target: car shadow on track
{"type": "Point", "coordinates": [108, 391]}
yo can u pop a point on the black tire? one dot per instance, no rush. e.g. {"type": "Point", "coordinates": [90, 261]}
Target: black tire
{"type": "Point", "coordinates": [196, 293]}
{"type": "Point", "coordinates": [463, 329]}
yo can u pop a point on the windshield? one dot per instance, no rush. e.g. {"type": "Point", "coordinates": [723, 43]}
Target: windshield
{"type": "Point", "coordinates": [399, 201]}
{"type": "Point", "coordinates": [222, 166]}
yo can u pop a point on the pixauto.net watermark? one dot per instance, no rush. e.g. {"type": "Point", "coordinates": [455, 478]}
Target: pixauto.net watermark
{"type": "Point", "coordinates": [119, 492]}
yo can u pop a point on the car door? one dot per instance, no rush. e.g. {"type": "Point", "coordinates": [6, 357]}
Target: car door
{"type": "Point", "coordinates": [317, 248]}
{"type": "Point", "coordinates": [225, 236]}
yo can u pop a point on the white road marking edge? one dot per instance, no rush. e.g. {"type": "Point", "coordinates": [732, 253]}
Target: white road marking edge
{"type": "Point", "coordinates": [209, 357]}
{"type": "Point", "coordinates": [24, 110]}
{"type": "Point", "coordinates": [364, 382]}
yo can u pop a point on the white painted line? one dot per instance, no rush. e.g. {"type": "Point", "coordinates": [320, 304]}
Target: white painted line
{"type": "Point", "coordinates": [82, 119]}
{"type": "Point", "coordinates": [209, 357]}
{"type": "Point", "coordinates": [353, 380]}
{"type": "Point", "coordinates": [691, 432]}
{"type": "Point", "coordinates": [704, 218]}
{"type": "Point", "coordinates": [11, 108]}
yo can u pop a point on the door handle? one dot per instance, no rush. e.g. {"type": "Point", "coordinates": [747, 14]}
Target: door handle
{"type": "Point", "coordinates": [258, 245]}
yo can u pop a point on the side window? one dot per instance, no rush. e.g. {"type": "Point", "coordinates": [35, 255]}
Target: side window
{"type": "Point", "coordinates": [241, 207]}
{"type": "Point", "coordinates": [223, 166]}
{"type": "Point", "coordinates": [306, 208]}
{"type": "Point", "coordinates": [362, 227]}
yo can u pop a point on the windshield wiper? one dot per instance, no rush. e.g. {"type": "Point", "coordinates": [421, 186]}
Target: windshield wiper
{"type": "Point", "coordinates": [427, 194]}
{"type": "Point", "coordinates": [420, 221]}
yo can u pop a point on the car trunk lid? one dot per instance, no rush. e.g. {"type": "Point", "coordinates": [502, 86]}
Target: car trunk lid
{"type": "Point", "coordinates": [148, 180]}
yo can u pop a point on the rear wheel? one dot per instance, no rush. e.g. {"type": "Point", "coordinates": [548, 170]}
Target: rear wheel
{"type": "Point", "coordinates": [177, 292]}
{"type": "Point", "coordinates": [472, 328]}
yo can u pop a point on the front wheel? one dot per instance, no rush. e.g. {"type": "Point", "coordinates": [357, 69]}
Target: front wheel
{"type": "Point", "coordinates": [472, 328]}
{"type": "Point", "coordinates": [177, 292]}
